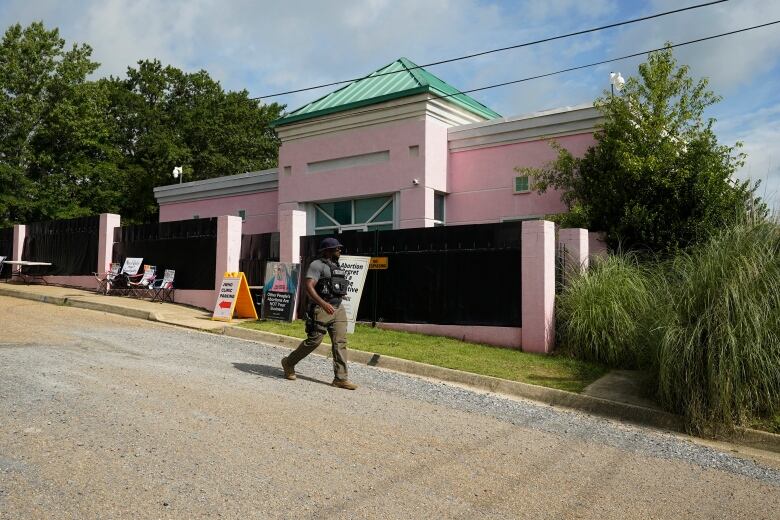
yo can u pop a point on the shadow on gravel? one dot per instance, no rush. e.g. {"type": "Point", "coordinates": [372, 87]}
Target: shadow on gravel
{"type": "Point", "coordinates": [271, 372]}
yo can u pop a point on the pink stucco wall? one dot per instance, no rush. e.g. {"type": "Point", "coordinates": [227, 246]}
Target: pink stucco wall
{"type": "Point", "coordinates": [261, 210]}
{"type": "Point", "coordinates": [481, 181]}
{"type": "Point", "coordinates": [393, 175]}
{"type": "Point", "coordinates": [510, 337]}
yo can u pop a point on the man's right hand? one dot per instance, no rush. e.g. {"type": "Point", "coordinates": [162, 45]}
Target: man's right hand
{"type": "Point", "coordinates": [328, 308]}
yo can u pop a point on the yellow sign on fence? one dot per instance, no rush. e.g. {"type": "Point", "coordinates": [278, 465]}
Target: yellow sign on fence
{"type": "Point", "coordinates": [378, 262]}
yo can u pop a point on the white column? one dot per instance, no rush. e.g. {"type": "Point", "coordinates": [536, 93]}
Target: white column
{"type": "Point", "coordinates": [228, 247]}
{"type": "Point", "coordinates": [575, 243]}
{"type": "Point", "coordinates": [538, 291]}
{"type": "Point", "coordinates": [108, 223]}
{"type": "Point", "coordinates": [292, 226]}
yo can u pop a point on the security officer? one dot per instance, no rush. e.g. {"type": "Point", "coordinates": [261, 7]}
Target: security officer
{"type": "Point", "coordinates": [326, 284]}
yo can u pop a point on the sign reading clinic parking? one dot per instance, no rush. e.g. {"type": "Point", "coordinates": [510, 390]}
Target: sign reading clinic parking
{"type": "Point", "coordinates": [234, 299]}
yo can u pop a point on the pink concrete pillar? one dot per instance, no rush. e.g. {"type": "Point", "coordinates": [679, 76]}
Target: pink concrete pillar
{"type": "Point", "coordinates": [108, 223]}
{"type": "Point", "coordinates": [20, 231]}
{"type": "Point", "coordinates": [228, 247]}
{"type": "Point", "coordinates": [416, 209]}
{"type": "Point", "coordinates": [538, 279]}
{"type": "Point", "coordinates": [574, 242]}
{"type": "Point", "coordinates": [597, 244]}
{"type": "Point", "coordinates": [292, 226]}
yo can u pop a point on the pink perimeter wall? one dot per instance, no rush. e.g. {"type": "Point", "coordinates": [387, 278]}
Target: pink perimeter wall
{"type": "Point", "coordinates": [261, 210]}
{"type": "Point", "coordinates": [481, 181]}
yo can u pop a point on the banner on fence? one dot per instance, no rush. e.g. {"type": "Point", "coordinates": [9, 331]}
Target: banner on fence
{"type": "Point", "coordinates": [234, 299]}
{"type": "Point", "coordinates": [356, 268]}
{"type": "Point", "coordinates": [280, 290]}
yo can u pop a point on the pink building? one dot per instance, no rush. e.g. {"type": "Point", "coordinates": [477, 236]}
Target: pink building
{"type": "Point", "coordinates": [399, 148]}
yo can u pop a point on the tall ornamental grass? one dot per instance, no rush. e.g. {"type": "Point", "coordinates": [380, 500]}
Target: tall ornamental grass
{"type": "Point", "coordinates": [606, 313]}
{"type": "Point", "coordinates": [718, 360]}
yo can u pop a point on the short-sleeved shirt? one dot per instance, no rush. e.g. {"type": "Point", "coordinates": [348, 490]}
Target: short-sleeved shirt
{"type": "Point", "coordinates": [319, 269]}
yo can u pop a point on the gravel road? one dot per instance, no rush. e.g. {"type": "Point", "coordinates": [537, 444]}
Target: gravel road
{"type": "Point", "coordinates": [109, 417]}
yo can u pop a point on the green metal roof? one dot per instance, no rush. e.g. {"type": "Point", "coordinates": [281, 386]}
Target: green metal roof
{"type": "Point", "coordinates": [401, 78]}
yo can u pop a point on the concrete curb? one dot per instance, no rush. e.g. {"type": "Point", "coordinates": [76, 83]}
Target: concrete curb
{"type": "Point", "coordinates": [81, 304]}
{"type": "Point", "coordinates": [583, 403]}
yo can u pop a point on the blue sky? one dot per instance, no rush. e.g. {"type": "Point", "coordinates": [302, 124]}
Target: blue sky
{"type": "Point", "coordinates": [272, 46]}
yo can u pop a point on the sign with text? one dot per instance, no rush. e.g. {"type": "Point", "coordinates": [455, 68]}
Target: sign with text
{"type": "Point", "coordinates": [378, 262]}
{"type": "Point", "coordinates": [356, 268]}
{"type": "Point", "coordinates": [132, 265]}
{"type": "Point", "coordinates": [280, 290]}
{"type": "Point", "coordinates": [234, 299]}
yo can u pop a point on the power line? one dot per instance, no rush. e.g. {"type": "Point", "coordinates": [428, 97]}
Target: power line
{"type": "Point", "coordinates": [602, 62]}
{"type": "Point", "coordinates": [698, 40]}
{"type": "Point", "coordinates": [527, 44]}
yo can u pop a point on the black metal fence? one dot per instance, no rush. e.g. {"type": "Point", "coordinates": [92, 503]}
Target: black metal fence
{"type": "Point", "coordinates": [452, 275]}
{"type": "Point", "coordinates": [6, 249]}
{"type": "Point", "coordinates": [256, 250]}
{"type": "Point", "coordinates": [70, 245]}
{"type": "Point", "coordinates": [188, 246]}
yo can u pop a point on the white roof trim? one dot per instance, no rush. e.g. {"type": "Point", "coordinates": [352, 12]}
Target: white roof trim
{"type": "Point", "coordinates": [241, 184]}
{"type": "Point", "coordinates": [507, 130]}
{"type": "Point", "coordinates": [412, 107]}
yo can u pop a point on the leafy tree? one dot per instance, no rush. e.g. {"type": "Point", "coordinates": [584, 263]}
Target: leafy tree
{"type": "Point", "coordinates": [70, 146]}
{"type": "Point", "coordinates": [657, 178]}
{"type": "Point", "coordinates": [170, 118]}
{"type": "Point", "coordinates": [47, 124]}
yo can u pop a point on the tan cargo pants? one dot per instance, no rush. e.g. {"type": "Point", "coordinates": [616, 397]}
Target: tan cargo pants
{"type": "Point", "coordinates": [336, 326]}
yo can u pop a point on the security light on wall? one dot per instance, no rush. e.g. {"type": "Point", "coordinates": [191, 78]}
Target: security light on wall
{"type": "Point", "coordinates": [178, 173]}
{"type": "Point", "coordinates": [616, 81]}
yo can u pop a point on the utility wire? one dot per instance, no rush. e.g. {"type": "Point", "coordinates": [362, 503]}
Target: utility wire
{"type": "Point", "coordinates": [527, 44]}
{"type": "Point", "coordinates": [698, 40]}
{"type": "Point", "coordinates": [529, 78]}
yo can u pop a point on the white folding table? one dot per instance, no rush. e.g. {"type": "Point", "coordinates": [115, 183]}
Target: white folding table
{"type": "Point", "coordinates": [19, 270]}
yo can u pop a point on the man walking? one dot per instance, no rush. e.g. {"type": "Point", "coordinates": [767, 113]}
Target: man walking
{"type": "Point", "coordinates": [326, 284]}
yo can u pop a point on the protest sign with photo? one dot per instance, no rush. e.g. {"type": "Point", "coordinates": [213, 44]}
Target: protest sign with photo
{"type": "Point", "coordinates": [280, 290]}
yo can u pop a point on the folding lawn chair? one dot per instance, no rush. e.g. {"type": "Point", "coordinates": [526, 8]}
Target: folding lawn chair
{"type": "Point", "coordinates": [120, 284]}
{"type": "Point", "coordinates": [143, 286]}
{"type": "Point", "coordinates": [162, 290]}
{"type": "Point", "coordinates": [104, 283]}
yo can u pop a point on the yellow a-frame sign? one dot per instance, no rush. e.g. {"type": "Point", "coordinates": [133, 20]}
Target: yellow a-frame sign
{"type": "Point", "coordinates": [234, 297]}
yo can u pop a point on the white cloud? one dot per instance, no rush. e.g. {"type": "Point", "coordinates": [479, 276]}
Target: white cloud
{"type": "Point", "coordinates": [273, 46]}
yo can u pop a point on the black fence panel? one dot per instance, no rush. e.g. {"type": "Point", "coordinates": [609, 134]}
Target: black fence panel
{"type": "Point", "coordinates": [450, 275]}
{"type": "Point", "coordinates": [256, 250]}
{"type": "Point", "coordinates": [188, 246]}
{"type": "Point", "coordinates": [6, 249]}
{"type": "Point", "coordinates": [70, 245]}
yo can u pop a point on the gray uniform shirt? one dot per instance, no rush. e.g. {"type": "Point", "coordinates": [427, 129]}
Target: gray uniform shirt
{"type": "Point", "coordinates": [319, 269]}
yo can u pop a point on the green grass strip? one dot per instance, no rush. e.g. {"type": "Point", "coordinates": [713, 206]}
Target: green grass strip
{"type": "Point", "coordinates": [552, 371]}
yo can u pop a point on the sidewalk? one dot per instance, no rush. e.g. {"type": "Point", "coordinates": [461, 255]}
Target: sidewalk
{"type": "Point", "coordinates": [170, 313]}
{"type": "Point", "coordinates": [617, 395]}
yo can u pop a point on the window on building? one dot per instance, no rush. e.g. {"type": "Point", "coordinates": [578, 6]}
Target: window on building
{"type": "Point", "coordinates": [522, 184]}
{"type": "Point", "coordinates": [438, 209]}
{"type": "Point", "coordinates": [195, 217]}
{"type": "Point", "coordinates": [374, 213]}
{"type": "Point", "coordinates": [288, 170]}
{"type": "Point", "coordinates": [414, 151]}
{"type": "Point", "coordinates": [242, 214]}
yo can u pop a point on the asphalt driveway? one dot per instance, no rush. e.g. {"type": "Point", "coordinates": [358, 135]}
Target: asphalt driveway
{"type": "Point", "coordinates": [108, 417]}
